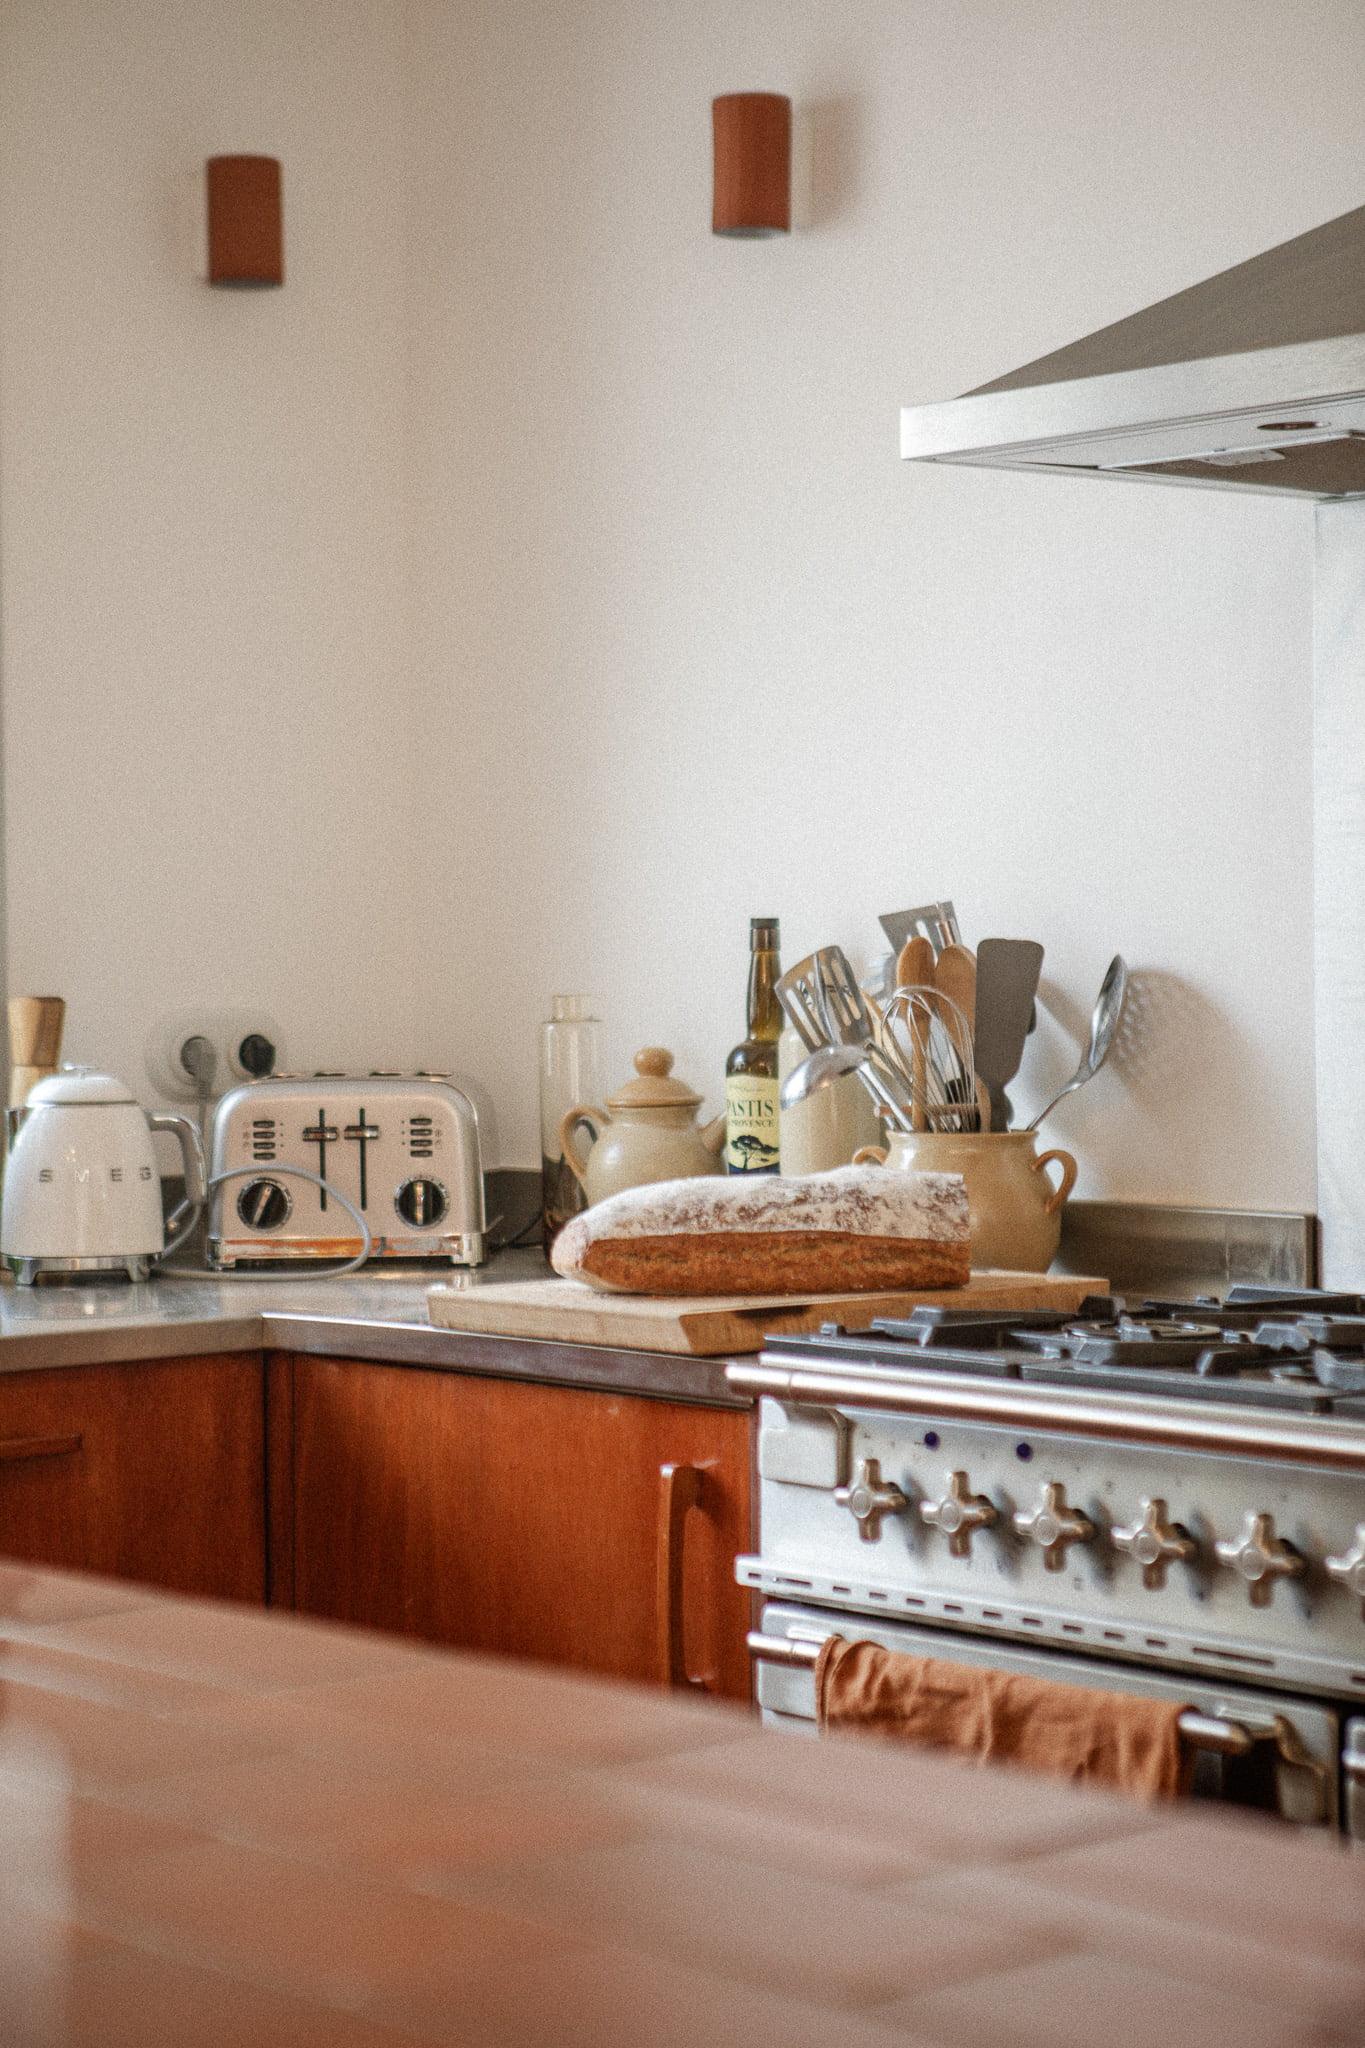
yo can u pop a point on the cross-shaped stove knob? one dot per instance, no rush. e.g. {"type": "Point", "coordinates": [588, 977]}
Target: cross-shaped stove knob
{"type": "Point", "coordinates": [1349, 1569]}
{"type": "Point", "coordinates": [1154, 1543]}
{"type": "Point", "coordinates": [958, 1513]}
{"type": "Point", "coordinates": [1053, 1526]}
{"type": "Point", "coordinates": [867, 1500]}
{"type": "Point", "coordinates": [1261, 1557]}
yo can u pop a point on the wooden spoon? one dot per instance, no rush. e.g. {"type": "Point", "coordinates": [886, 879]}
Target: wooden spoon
{"type": "Point", "coordinates": [915, 963]}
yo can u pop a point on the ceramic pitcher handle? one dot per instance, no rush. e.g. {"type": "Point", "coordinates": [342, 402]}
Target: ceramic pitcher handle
{"type": "Point", "coordinates": [870, 1155]}
{"type": "Point", "coordinates": [568, 1132]}
{"type": "Point", "coordinates": [1066, 1183]}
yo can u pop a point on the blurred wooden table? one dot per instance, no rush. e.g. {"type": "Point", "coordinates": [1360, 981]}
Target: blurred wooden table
{"type": "Point", "coordinates": [225, 1829]}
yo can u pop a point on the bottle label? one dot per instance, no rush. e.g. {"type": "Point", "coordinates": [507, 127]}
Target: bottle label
{"type": "Point", "coordinates": [751, 1124]}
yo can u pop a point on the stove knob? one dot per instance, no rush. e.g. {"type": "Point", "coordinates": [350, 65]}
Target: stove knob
{"type": "Point", "coordinates": [422, 1203]}
{"type": "Point", "coordinates": [1154, 1543]}
{"type": "Point", "coordinates": [1261, 1558]}
{"type": "Point", "coordinates": [867, 1500]}
{"type": "Point", "coordinates": [958, 1513]}
{"type": "Point", "coordinates": [1053, 1526]}
{"type": "Point", "coordinates": [1349, 1569]}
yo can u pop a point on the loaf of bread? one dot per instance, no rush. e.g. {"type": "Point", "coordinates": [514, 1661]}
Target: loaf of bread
{"type": "Point", "coordinates": [858, 1230]}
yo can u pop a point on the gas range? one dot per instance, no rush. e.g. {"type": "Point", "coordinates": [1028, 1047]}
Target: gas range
{"type": "Point", "coordinates": [1154, 1495]}
{"type": "Point", "coordinates": [1301, 1350]}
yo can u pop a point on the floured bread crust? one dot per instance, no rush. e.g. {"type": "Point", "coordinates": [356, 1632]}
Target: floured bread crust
{"type": "Point", "coordinates": [858, 1229]}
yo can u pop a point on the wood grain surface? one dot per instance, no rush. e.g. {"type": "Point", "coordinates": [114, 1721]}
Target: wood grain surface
{"type": "Point", "coordinates": [718, 1326]}
{"type": "Point", "coordinates": [155, 1472]}
{"type": "Point", "coordinates": [499, 1516]}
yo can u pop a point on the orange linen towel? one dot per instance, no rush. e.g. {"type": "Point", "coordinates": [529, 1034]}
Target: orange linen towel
{"type": "Point", "coordinates": [1071, 1731]}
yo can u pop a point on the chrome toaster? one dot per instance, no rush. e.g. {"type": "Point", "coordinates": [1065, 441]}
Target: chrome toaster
{"type": "Point", "coordinates": [404, 1148]}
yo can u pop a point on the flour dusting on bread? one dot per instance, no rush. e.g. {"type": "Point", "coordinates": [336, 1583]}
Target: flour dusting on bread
{"type": "Point", "coordinates": [741, 1234]}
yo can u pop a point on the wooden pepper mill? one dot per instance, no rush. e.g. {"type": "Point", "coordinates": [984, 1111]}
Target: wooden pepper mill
{"type": "Point", "coordinates": [35, 1042]}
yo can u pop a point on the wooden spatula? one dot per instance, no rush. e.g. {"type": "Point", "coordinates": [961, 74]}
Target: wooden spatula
{"type": "Point", "coordinates": [955, 977]}
{"type": "Point", "coordinates": [955, 980]}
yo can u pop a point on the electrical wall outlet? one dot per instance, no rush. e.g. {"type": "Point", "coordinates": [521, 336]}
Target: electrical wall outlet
{"type": "Point", "coordinates": [245, 1045]}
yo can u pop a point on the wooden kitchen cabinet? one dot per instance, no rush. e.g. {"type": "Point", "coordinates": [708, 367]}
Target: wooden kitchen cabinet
{"type": "Point", "coordinates": [584, 1527]}
{"type": "Point", "coordinates": [152, 1471]}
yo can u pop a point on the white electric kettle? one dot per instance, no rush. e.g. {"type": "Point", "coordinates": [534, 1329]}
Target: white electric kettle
{"type": "Point", "coordinates": [82, 1192]}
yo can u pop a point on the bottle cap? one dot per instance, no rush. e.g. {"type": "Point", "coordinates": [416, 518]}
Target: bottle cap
{"type": "Point", "coordinates": [764, 934]}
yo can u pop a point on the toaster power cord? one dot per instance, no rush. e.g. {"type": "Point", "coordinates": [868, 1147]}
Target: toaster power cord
{"type": "Point", "coordinates": [217, 1180]}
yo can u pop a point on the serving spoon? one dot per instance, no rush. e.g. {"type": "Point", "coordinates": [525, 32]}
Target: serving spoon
{"type": "Point", "coordinates": [1104, 1022]}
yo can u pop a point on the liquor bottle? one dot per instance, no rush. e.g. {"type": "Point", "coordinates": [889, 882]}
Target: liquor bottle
{"type": "Point", "coordinates": [751, 1083]}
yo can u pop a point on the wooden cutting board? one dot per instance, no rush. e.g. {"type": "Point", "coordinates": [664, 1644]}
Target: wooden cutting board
{"type": "Point", "coordinates": [713, 1326]}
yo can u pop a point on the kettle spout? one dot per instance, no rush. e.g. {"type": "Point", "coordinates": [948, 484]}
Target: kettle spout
{"type": "Point", "coordinates": [713, 1134]}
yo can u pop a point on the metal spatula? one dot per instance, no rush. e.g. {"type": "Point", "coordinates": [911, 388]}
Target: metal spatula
{"type": "Point", "coordinates": [1007, 972]}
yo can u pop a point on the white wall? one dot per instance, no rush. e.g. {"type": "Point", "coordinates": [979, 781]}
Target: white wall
{"type": "Point", "coordinates": [209, 738]}
{"type": "Point", "coordinates": [586, 533]}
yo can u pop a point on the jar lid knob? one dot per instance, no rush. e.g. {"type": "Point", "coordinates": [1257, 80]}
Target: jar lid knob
{"type": "Point", "coordinates": [654, 1060]}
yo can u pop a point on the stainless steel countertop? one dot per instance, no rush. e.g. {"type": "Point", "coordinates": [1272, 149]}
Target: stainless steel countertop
{"type": "Point", "coordinates": [378, 1315]}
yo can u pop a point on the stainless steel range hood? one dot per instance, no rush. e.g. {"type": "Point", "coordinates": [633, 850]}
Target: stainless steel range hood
{"type": "Point", "coordinates": [1254, 380]}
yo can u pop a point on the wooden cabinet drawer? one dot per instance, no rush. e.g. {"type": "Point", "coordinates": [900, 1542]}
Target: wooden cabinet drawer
{"type": "Point", "coordinates": [151, 1471]}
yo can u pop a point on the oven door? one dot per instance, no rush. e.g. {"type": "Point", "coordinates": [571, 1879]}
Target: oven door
{"type": "Point", "coordinates": [1258, 1749]}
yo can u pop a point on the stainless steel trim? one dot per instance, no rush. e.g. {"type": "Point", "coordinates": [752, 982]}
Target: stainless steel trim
{"type": "Point", "coordinates": [1177, 1251]}
{"type": "Point", "coordinates": [1200, 1731]}
{"type": "Point", "coordinates": [1085, 425]}
{"type": "Point", "coordinates": [137, 1265]}
{"type": "Point", "coordinates": [1182, 1425]}
{"type": "Point", "coordinates": [1041, 1624]}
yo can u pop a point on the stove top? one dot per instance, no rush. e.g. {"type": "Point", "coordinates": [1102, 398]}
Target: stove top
{"type": "Point", "coordinates": [1303, 1350]}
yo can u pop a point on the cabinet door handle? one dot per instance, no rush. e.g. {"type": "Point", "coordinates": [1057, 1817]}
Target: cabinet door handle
{"type": "Point", "coordinates": [680, 1488]}
{"type": "Point", "coordinates": [15, 1448]}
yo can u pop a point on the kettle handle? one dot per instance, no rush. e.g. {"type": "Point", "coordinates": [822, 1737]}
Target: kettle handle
{"type": "Point", "coordinates": [595, 1120]}
{"type": "Point", "coordinates": [191, 1151]}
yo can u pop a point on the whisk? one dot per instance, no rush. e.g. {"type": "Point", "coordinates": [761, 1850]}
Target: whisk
{"type": "Point", "coordinates": [929, 1040]}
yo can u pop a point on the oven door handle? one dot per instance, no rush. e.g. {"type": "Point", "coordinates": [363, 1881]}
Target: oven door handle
{"type": "Point", "coordinates": [1200, 1731]}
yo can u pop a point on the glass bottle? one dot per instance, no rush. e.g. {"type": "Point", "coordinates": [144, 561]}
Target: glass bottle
{"type": "Point", "coordinates": [571, 1072]}
{"type": "Point", "coordinates": [752, 1137]}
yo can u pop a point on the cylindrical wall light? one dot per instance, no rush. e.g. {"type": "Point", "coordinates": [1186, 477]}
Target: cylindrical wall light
{"type": "Point", "coordinates": [246, 220]}
{"type": "Point", "coordinates": [752, 133]}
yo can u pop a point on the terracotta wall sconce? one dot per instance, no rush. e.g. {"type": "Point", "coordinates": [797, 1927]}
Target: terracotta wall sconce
{"type": "Point", "coordinates": [752, 136]}
{"type": "Point", "coordinates": [246, 221]}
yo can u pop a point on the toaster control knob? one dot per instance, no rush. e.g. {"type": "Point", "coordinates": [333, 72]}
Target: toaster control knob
{"type": "Point", "coordinates": [1349, 1569]}
{"type": "Point", "coordinates": [958, 1513]}
{"type": "Point", "coordinates": [422, 1203]}
{"type": "Point", "coordinates": [1154, 1543]}
{"type": "Point", "coordinates": [1053, 1526]}
{"type": "Point", "coordinates": [1261, 1557]}
{"type": "Point", "coordinates": [264, 1204]}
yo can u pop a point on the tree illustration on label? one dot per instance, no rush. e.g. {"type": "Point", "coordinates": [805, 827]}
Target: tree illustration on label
{"type": "Point", "coordinates": [751, 1154]}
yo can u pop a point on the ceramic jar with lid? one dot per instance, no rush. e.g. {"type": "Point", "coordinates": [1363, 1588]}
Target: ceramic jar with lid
{"type": "Point", "coordinates": [647, 1132]}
